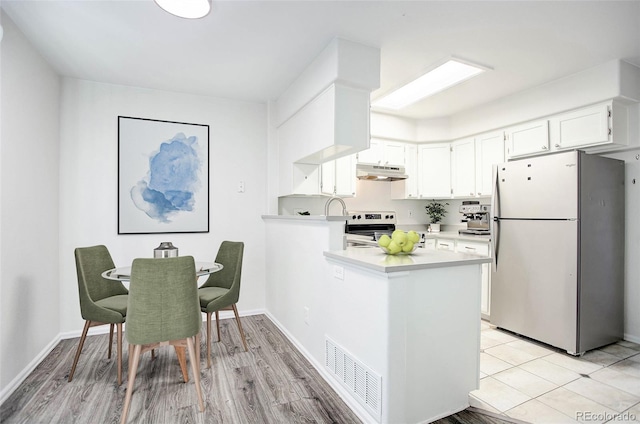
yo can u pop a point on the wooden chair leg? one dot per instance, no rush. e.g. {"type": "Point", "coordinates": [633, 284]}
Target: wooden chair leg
{"type": "Point", "coordinates": [208, 339]}
{"type": "Point", "coordinates": [195, 367]}
{"type": "Point", "coordinates": [119, 341]}
{"type": "Point", "coordinates": [132, 377]}
{"type": "Point", "coordinates": [197, 342]}
{"type": "Point", "coordinates": [182, 360]}
{"type": "Point", "coordinates": [218, 324]}
{"type": "Point", "coordinates": [110, 340]}
{"type": "Point", "coordinates": [244, 341]}
{"type": "Point", "coordinates": [87, 324]}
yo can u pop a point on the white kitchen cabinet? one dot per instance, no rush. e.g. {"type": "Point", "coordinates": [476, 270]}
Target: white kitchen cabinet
{"type": "Point", "coordinates": [430, 244]}
{"type": "Point", "coordinates": [446, 244]}
{"type": "Point", "coordinates": [478, 248]}
{"type": "Point", "coordinates": [463, 168]}
{"type": "Point", "coordinates": [339, 176]}
{"type": "Point", "coordinates": [528, 139]}
{"type": "Point", "coordinates": [604, 124]}
{"type": "Point", "coordinates": [489, 152]}
{"type": "Point", "coordinates": [383, 152]}
{"type": "Point", "coordinates": [407, 189]}
{"type": "Point", "coordinates": [434, 170]}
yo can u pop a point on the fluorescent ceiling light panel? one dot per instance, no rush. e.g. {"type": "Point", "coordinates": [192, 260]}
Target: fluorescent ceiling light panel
{"type": "Point", "coordinates": [190, 9]}
{"type": "Point", "coordinates": [444, 76]}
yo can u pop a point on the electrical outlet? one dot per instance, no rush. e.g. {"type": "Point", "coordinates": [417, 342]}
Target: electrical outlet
{"type": "Point", "coordinates": [240, 186]}
{"type": "Point", "coordinates": [338, 272]}
{"type": "Point", "coordinates": [306, 315]}
{"type": "Point", "coordinates": [410, 213]}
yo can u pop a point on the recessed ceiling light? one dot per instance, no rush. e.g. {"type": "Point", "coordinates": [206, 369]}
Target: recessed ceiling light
{"type": "Point", "coordinates": [450, 73]}
{"type": "Point", "coordinates": [190, 9]}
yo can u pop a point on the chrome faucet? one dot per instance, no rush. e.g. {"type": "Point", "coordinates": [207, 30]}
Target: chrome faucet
{"type": "Point", "coordinates": [331, 199]}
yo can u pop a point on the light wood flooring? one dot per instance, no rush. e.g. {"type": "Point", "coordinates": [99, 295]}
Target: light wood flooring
{"type": "Point", "coordinates": [271, 383]}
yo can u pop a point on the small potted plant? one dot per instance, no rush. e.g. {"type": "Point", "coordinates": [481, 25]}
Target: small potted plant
{"type": "Point", "coordinates": [436, 211]}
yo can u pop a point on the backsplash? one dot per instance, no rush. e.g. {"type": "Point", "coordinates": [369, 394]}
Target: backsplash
{"type": "Point", "coordinates": [374, 195]}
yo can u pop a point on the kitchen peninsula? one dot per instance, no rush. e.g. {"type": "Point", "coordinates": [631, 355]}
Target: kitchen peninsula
{"type": "Point", "coordinates": [398, 337]}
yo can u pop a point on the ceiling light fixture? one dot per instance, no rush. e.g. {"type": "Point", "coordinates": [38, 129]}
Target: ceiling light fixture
{"type": "Point", "coordinates": [190, 9]}
{"type": "Point", "coordinates": [450, 73]}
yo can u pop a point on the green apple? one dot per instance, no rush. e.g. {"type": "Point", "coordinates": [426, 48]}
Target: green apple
{"type": "Point", "coordinates": [400, 237]}
{"type": "Point", "coordinates": [394, 248]}
{"type": "Point", "coordinates": [408, 248]}
{"type": "Point", "coordinates": [384, 240]}
{"type": "Point", "coordinates": [413, 236]}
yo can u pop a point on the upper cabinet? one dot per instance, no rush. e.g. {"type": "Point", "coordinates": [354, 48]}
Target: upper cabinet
{"type": "Point", "coordinates": [339, 177]}
{"type": "Point", "coordinates": [489, 152]}
{"type": "Point", "coordinates": [434, 170]}
{"type": "Point", "coordinates": [604, 124]}
{"type": "Point", "coordinates": [463, 168]}
{"type": "Point", "coordinates": [528, 138]}
{"type": "Point", "coordinates": [383, 152]}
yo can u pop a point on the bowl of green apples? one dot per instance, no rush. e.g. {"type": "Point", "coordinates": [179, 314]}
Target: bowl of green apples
{"type": "Point", "coordinates": [399, 243]}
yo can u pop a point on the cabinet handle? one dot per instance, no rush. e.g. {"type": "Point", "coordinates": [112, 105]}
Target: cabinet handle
{"type": "Point", "coordinates": [470, 194]}
{"type": "Point", "coordinates": [470, 248]}
{"type": "Point", "coordinates": [557, 145]}
{"type": "Point", "coordinates": [544, 147]}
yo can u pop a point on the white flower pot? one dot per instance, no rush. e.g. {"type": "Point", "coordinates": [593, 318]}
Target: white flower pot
{"type": "Point", "coordinates": [435, 228]}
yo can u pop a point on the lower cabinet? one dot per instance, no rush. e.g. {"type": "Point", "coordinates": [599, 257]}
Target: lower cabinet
{"type": "Point", "coordinates": [464, 246]}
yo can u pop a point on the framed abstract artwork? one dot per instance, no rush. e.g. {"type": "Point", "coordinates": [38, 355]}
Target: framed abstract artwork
{"type": "Point", "coordinates": [163, 176]}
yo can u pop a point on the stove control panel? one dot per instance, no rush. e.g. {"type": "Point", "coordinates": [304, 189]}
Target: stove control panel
{"type": "Point", "coordinates": [371, 217]}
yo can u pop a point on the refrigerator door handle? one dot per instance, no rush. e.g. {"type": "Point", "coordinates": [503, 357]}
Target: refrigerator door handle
{"type": "Point", "coordinates": [495, 222]}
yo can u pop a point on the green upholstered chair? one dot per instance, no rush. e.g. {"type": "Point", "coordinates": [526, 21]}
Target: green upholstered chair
{"type": "Point", "coordinates": [102, 301]}
{"type": "Point", "coordinates": [163, 310]}
{"type": "Point", "coordinates": [222, 289]}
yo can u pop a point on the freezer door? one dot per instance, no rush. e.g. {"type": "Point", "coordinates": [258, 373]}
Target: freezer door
{"type": "Point", "coordinates": [544, 187]}
{"type": "Point", "coordinates": [534, 285]}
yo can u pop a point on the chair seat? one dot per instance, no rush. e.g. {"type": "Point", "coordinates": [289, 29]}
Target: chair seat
{"type": "Point", "coordinates": [209, 294]}
{"type": "Point", "coordinates": [115, 303]}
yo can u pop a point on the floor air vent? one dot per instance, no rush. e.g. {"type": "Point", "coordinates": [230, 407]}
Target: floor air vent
{"type": "Point", "coordinates": [362, 383]}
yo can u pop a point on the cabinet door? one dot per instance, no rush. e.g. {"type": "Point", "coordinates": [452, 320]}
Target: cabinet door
{"type": "Point", "coordinates": [489, 152]}
{"type": "Point", "coordinates": [582, 127]}
{"type": "Point", "coordinates": [393, 153]}
{"type": "Point", "coordinates": [411, 169]}
{"type": "Point", "coordinates": [345, 176]}
{"type": "Point", "coordinates": [463, 171]}
{"type": "Point", "coordinates": [528, 139]}
{"type": "Point", "coordinates": [328, 179]}
{"type": "Point", "coordinates": [464, 246]}
{"type": "Point", "coordinates": [434, 170]}
{"type": "Point", "coordinates": [373, 154]}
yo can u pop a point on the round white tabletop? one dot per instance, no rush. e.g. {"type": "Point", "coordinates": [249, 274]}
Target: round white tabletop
{"type": "Point", "coordinates": [123, 273]}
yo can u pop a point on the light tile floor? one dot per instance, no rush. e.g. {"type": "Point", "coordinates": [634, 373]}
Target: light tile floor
{"type": "Point", "coordinates": [528, 381]}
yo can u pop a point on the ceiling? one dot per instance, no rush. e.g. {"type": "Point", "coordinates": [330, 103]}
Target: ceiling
{"type": "Point", "coordinates": [253, 50]}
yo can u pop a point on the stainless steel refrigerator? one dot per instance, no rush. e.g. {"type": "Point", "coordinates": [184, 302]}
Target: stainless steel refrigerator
{"type": "Point", "coordinates": [558, 249]}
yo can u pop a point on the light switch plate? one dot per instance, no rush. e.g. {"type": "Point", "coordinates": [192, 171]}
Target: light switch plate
{"type": "Point", "coordinates": [338, 272]}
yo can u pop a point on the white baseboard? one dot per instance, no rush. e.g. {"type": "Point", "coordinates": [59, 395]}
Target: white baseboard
{"type": "Point", "coordinates": [353, 404]}
{"type": "Point", "coordinates": [15, 383]}
{"type": "Point", "coordinates": [632, 338]}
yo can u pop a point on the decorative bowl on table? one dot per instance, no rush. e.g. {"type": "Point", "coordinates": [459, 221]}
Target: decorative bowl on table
{"type": "Point", "coordinates": [400, 243]}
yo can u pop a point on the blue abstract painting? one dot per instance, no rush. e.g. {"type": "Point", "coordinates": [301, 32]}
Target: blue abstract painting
{"type": "Point", "coordinates": [167, 194]}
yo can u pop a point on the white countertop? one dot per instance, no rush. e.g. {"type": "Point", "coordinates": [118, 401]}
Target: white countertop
{"type": "Point", "coordinates": [307, 217]}
{"type": "Point", "coordinates": [457, 236]}
{"type": "Point", "coordinates": [375, 259]}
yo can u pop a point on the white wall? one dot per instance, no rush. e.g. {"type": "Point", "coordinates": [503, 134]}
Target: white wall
{"type": "Point", "coordinates": [89, 172]}
{"type": "Point", "coordinates": [29, 152]}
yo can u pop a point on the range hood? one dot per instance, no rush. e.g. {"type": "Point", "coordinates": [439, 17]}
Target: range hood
{"type": "Point", "coordinates": [380, 172]}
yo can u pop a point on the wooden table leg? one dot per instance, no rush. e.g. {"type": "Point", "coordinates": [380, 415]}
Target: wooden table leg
{"type": "Point", "coordinates": [182, 359]}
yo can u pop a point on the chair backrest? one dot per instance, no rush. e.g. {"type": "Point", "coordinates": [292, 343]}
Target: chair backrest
{"type": "Point", "coordinates": [230, 256]}
{"type": "Point", "coordinates": [91, 262]}
{"type": "Point", "coordinates": [163, 300]}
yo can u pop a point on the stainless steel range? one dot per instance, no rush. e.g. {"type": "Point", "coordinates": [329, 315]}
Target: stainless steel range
{"type": "Point", "coordinates": [364, 227]}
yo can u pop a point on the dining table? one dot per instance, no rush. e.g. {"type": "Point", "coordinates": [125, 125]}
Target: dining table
{"type": "Point", "coordinates": [123, 274]}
